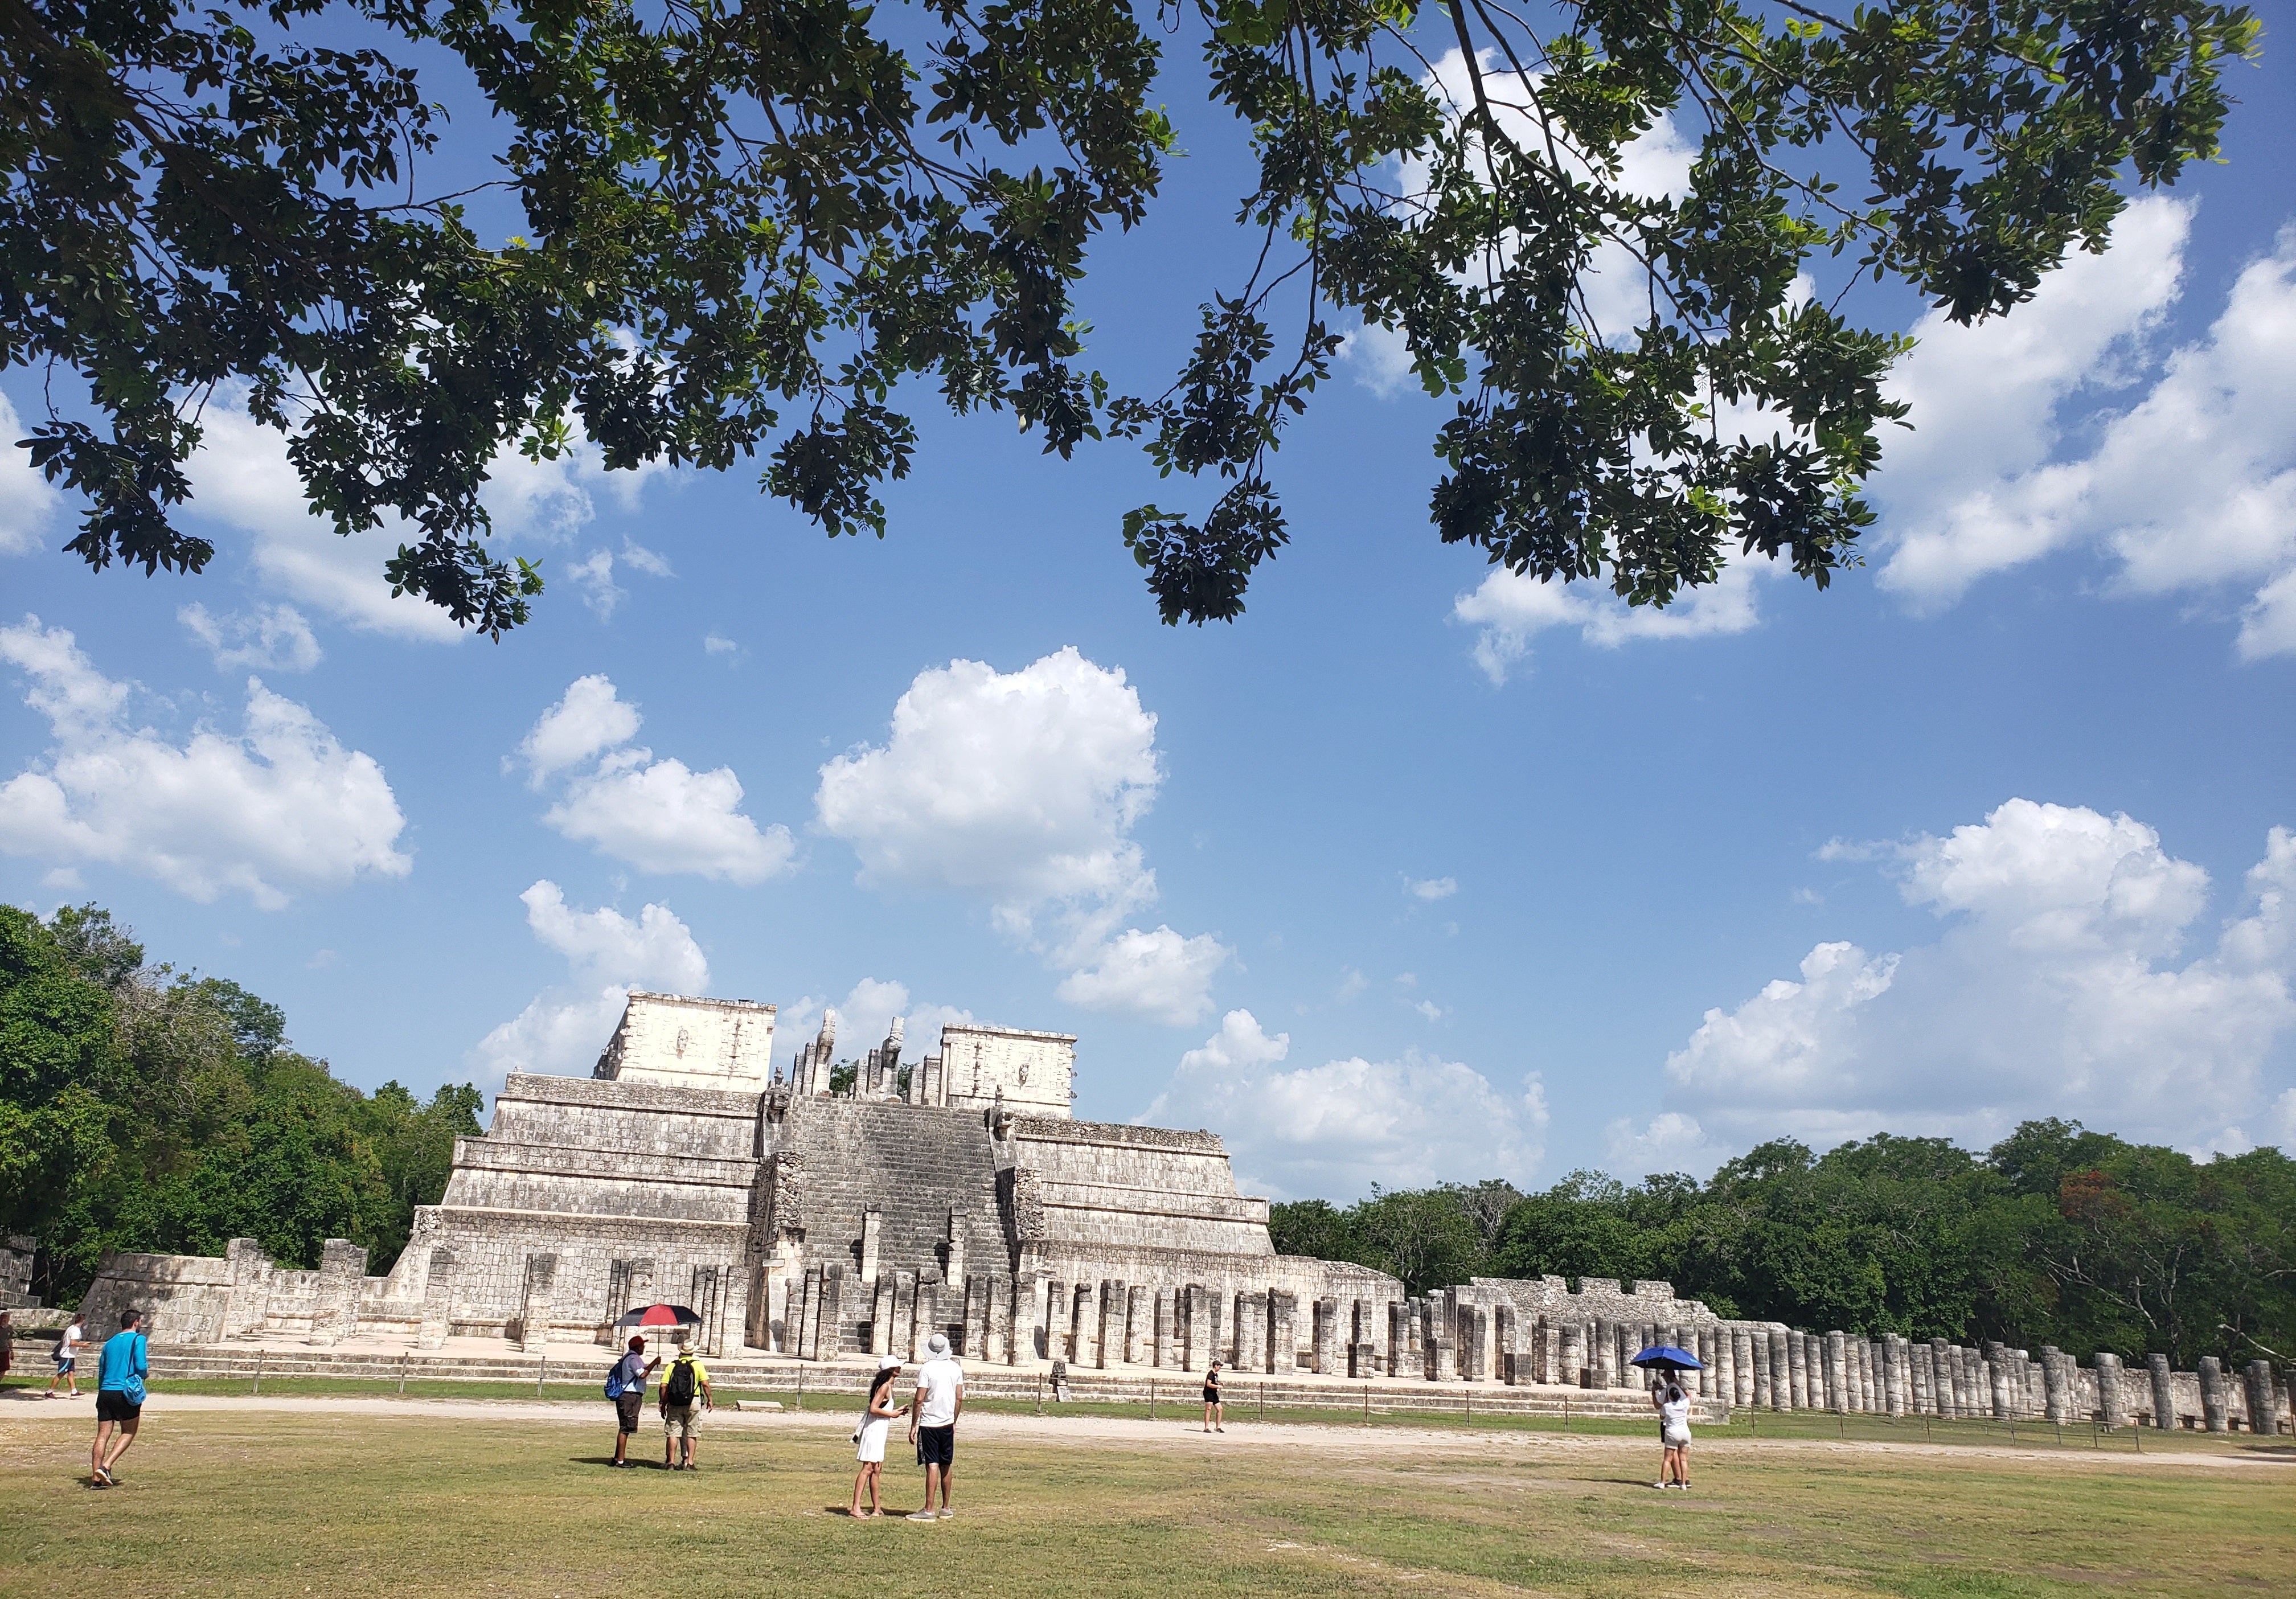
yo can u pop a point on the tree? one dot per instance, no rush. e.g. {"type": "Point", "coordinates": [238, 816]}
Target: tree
{"type": "Point", "coordinates": [745, 227]}
{"type": "Point", "coordinates": [143, 1110]}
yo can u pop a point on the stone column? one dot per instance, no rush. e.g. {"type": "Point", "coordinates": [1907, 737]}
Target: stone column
{"type": "Point", "coordinates": [248, 1305]}
{"type": "Point", "coordinates": [1862, 1389]}
{"type": "Point", "coordinates": [1440, 1357]}
{"type": "Point", "coordinates": [1108, 1334]}
{"type": "Point", "coordinates": [1573, 1358]}
{"type": "Point", "coordinates": [534, 1301]}
{"type": "Point", "coordinates": [334, 1315]}
{"type": "Point", "coordinates": [2005, 1397]}
{"type": "Point", "coordinates": [1836, 1374]}
{"type": "Point", "coordinates": [1798, 1371]}
{"type": "Point", "coordinates": [2164, 1391]}
{"type": "Point", "coordinates": [1014, 1332]}
{"type": "Point", "coordinates": [808, 1315]}
{"type": "Point", "coordinates": [1324, 1334]}
{"type": "Point", "coordinates": [1757, 1367]}
{"type": "Point", "coordinates": [2263, 1403]}
{"type": "Point", "coordinates": [1604, 1356]}
{"type": "Point", "coordinates": [438, 1300]}
{"type": "Point", "coordinates": [2111, 1408]}
{"type": "Point", "coordinates": [1474, 1343]}
{"type": "Point", "coordinates": [1283, 1332]}
{"type": "Point", "coordinates": [1165, 1352]}
{"type": "Point", "coordinates": [1505, 1338]}
{"type": "Point", "coordinates": [1630, 1345]}
{"type": "Point", "coordinates": [829, 1341]}
{"type": "Point", "coordinates": [2214, 1414]}
{"type": "Point", "coordinates": [1057, 1325]}
{"type": "Point", "coordinates": [1139, 1323]}
{"type": "Point", "coordinates": [2055, 1408]}
{"type": "Point", "coordinates": [872, 1224]}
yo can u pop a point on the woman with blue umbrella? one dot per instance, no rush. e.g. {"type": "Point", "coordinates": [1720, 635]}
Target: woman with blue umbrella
{"type": "Point", "coordinates": [1673, 1406]}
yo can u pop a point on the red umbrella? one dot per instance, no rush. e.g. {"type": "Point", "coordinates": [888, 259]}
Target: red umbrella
{"type": "Point", "coordinates": [661, 1316]}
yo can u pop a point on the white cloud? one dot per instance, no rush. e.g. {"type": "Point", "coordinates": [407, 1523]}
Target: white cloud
{"type": "Point", "coordinates": [1431, 888]}
{"type": "Point", "coordinates": [242, 478]}
{"type": "Point", "coordinates": [1352, 983]}
{"type": "Point", "coordinates": [279, 807]}
{"type": "Point", "coordinates": [28, 501]}
{"type": "Point", "coordinates": [1160, 975]}
{"type": "Point", "coordinates": [607, 955]}
{"type": "Point", "coordinates": [593, 577]}
{"type": "Point", "coordinates": [2054, 990]}
{"type": "Point", "coordinates": [1022, 789]}
{"type": "Point", "coordinates": [1332, 1131]}
{"type": "Point", "coordinates": [1668, 1142]}
{"type": "Point", "coordinates": [1512, 609]}
{"type": "Point", "coordinates": [660, 816]}
{"type": "Point", "coordinates": [272, 638]}
{"type": "Point", "coordinates": [2192, 489]}
{"type": "Point", "coordinates": [587, 719]}
{"type": "Point", "coordinates": [714, 644]}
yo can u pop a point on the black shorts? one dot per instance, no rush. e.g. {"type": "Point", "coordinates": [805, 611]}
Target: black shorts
{"type": "Point", "coordinates": [937, 1446]}
{"type": "Point", "coordinates": [1211, 1396]}
{"type": "Point", "coordinates": [628, 1404]}
{"type": "Point", "coordinates": [112, 1405]}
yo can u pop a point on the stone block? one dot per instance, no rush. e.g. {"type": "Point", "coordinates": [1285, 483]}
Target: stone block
{"type": "Point", "coordinates": [334, 1313]}
{"type": "Point", "coordinates": [438, 1300]}
{"type": "Point", "coordinates": [1324, 1336]}
{"type": "Point", "coordinates": [535, 1302]}
{"type": "Point", "coordinates": [1442, 1360]}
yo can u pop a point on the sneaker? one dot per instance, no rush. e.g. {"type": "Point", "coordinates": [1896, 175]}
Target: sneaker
{"type": "Point", "coordinates": [1661, 1485]}
{"type": "Point", "coordinates": [945, 1513]}
{"type": "Point", "coordinates": [924, 1515]}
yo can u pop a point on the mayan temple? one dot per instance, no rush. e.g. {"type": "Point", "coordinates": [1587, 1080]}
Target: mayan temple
{"type": "Point", "coordinates": [802, 1218]}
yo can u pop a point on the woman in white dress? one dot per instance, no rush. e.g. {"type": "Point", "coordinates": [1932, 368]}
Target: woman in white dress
{"type": "Point", "coordinates": [876, 1415]}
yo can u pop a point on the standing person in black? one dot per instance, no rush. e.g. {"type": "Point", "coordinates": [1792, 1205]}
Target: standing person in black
{"type": "Point", "coordinates": [1214, 1411]}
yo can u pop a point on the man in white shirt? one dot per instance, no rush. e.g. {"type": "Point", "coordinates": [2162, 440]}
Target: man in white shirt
{"type": "Point", "coordinates": [67, 1357]}
{"type": "Point", "coordinates": [933, 1410]}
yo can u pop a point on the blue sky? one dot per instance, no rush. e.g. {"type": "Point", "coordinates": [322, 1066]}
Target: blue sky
{"type": "Point", "coordinates": [1413, 873]}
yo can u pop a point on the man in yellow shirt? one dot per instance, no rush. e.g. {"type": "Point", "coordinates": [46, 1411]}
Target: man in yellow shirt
{"type": "Point", "coordinates": [684, 1395]}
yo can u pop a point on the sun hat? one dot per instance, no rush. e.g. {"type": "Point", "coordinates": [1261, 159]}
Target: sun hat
{"type": "Point", "coordinates": [886, 1363]}
{"type": "Point", "coordinates": [938, 1343]}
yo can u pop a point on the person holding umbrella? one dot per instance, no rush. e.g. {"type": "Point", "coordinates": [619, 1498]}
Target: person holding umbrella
{"type": "Point", "coordinates": [1673, 1406]}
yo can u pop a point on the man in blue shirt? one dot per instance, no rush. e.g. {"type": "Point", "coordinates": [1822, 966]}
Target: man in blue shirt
{"type": "Point", "coordinates": [629, 1403]}
{"type": "Point", "coordinates": [118, 1397]}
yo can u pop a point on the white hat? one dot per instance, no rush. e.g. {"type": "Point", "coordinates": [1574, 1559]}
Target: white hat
{"type": "Point", "coordinates": [886, 1363]}
{"type": "Point", "coordinates": [938, 1343]}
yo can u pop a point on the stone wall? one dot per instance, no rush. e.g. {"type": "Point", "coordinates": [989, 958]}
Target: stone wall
{"type": "Point", "coordinates": [1104, 1185]}
{"type": "Point", "coordinates": [1031, 1074]}
{"type": "Point", "coordinates": [16, 1252]}
{"type": "Point", "coordinates": [686, 1043]}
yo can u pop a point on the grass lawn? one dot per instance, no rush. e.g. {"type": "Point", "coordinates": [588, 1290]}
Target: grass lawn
{"type": "Point", "coordinates": [271, 1501]}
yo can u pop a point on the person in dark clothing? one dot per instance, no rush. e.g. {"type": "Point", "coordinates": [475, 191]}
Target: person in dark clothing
{"type": "Point", "coordinates": [1214, 1411]}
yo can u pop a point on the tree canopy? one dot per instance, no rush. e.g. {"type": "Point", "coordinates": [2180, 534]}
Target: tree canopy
{"type": "Point", "coordinates": [2055, 1235]}
{"type": "Point", "coordinates": [747, 227]}
{"type": "Point", "coordinates": [141, 1109]}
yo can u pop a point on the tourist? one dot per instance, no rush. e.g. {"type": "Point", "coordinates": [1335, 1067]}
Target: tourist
{"type": "Point", "coordinates": [118, 1397]}
{"type": "Point", "coordinates": [1215, 1412]}
{"type": "Point", "coordinates": [626, 1387]}
{"type": "Point", "coordinates": [68, 1357]}
{"type": "Point", "coordinates": [933, 1410]}
{"type": "Point", "coordinates": [1673, 1435]}
{"type": "Point", "coordinates": [877, 1413]}
{"type": "Point", "coordinates": [682, 1385]}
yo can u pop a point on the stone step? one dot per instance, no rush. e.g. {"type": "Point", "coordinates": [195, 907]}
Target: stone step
{"type": "Point", "coordinates": [1129, 1385]}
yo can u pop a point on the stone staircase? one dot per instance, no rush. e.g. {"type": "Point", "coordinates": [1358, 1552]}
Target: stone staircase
{"type": "Point", "coordinates": [838, 1380]}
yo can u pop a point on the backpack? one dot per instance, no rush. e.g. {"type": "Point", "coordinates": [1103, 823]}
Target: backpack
{"type": "Point", "coordinates": [614, 1384]}
{"type": "Point", "coordinates": [679, 1388]}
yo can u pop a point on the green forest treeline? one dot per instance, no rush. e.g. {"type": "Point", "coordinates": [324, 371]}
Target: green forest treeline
{"type": "Point", "coordinates": [141, 1109]}
{"type": "Point", "coordinates": [144, 1110]}
{"type": "Point", "coordinates": [2055, 1235]}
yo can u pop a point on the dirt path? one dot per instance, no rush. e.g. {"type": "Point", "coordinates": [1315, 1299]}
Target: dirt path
{"type": "Point", "coordinates": [1360, 1443]}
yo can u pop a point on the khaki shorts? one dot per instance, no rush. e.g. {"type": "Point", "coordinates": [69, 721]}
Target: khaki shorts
{"type": "Point", "coordinates": [681, 1421]}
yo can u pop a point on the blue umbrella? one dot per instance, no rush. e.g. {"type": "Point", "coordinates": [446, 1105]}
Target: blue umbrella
{"type": "Point", "coordinates": [1673, 1359]}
